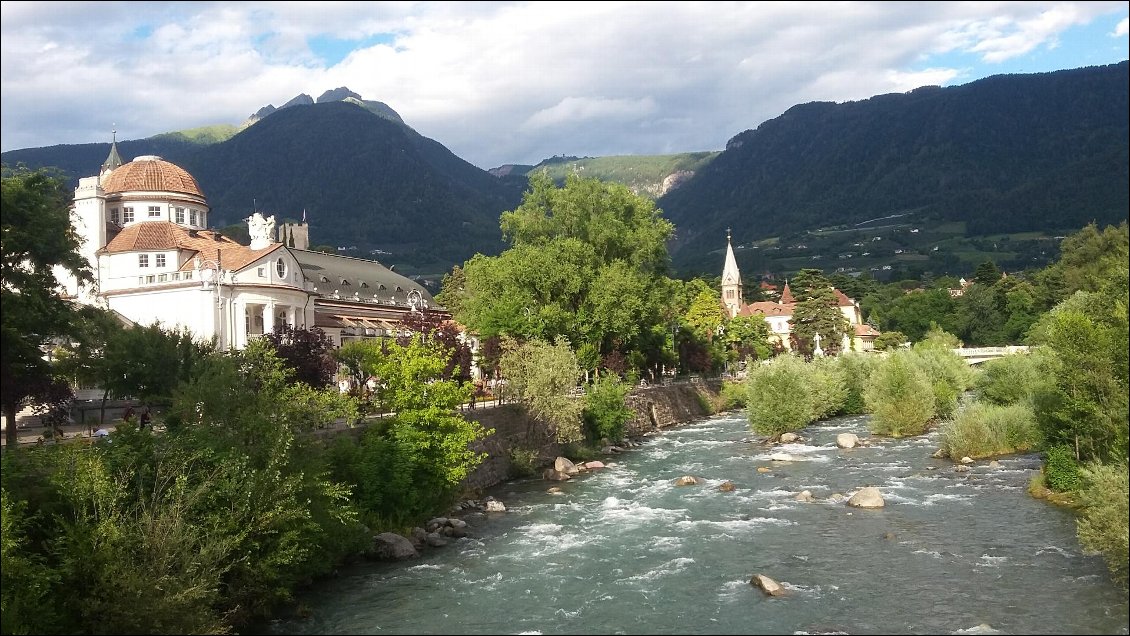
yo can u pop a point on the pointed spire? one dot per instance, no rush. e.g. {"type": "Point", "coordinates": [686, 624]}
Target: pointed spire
{"type": "Point", "coordinates": [730, 274]}
{"type": "Point", "coordinates": [113, 160]}
{"type": "Point", "coordinates": [303, 216]}
{"type": "Point", "coordinates": [787, 294]}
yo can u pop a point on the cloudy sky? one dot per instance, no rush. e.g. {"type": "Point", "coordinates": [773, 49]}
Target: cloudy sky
{"type": "Point", "coordinates": [515, 82]}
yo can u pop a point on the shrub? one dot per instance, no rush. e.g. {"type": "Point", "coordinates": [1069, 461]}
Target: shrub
{"type": "Point", "coordinates": [778, 399]}
{"type": "Point", "coordinates": [984, 430]}
{"type": "Point", "coordinates": [1009, 380]}
{"type": "Point", "coordinates": [733, 396]}
{"type": "Point", "coordinates": [855, 369]}
{"type": "Point", "coordinates": [605, 411]}
{"type": "Point", "coordinates": [899, 396]}
{"type": "Point", "coordinates": [1061, 470]}
{"type": "Point", "coordinates": [949, 375]}
{"type": "Point", "coordinates": [826, 387]}
{"type": "Point", "coordinates": [523, 462]}
{"type": "Point", "coordinates": [1103, 522]}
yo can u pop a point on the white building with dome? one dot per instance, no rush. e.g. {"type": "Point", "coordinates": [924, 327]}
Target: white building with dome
{"type": "Point", "coordinates": [143, 227]}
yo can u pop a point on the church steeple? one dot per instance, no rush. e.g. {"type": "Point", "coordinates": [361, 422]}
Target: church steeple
{"type": "Point", "coordinates": [787, 295]}
{"type": "Point", "coordinates": [113, 160]}
{"type": "Point", "coordinates": [731, 281]}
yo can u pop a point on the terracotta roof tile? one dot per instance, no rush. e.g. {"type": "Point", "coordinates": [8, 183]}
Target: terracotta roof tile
{"type": "Point", "coordinates": [151, 174]}
{"type": "Point", "coordinates": [210, 245]}
{"type": "Point", "coordinates": [767, 309]}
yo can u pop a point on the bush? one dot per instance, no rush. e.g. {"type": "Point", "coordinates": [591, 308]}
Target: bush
{"type": "Point", "coordinates": [605, 412]}
{"type": "Point", "coordinates": [1061, 470]}
{"type": "Point", "coordinates": [949, 376]}
{"type": "Point", "coordinates": [1009, 380]}
{"type": "Point", "coordinates": [855, 369]}
{"type": "Point", "coordinates": [523, 462]}
{"type": "Point", "coordinates": [1103, 522]}
{"type": "Point", "coordinates": [985, 430]}
{"type": "Point", "coordinates": [778, 398]}
{"type": "Point", "coordinates": [826, 387]}
{"type": "Point", "coordinates": [899, 396]}
{"type": "Point", "coordinates": [733, 395]}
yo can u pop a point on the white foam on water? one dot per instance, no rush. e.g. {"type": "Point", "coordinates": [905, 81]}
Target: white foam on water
{"type": "Point", "coordinates": [990, 561]}
{"type": "Point", "coordinates": [633, 513]}
{"type": "Point", "coordinates": [983, 628]}
{"type": "Point", "coordinates": [932, 553]}
{"type": "Point", "coordinates": [942, 497]}
{"type": "Point", "coordinates": [425, 566]}
{"type": "Point", "coordinates": [667, 543]}
{"type": "Point", "coordinates": [810, 591]}
{"type": "Point", "coordinates": [734, 525]}
{"type": "Point", "coordinates": [1054, 550]}
{"type": "Point", "coordinates": [548, 538]}
{"type": "Point", "coordinates": [670, 567]}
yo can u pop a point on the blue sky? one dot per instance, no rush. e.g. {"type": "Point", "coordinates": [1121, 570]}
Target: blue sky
{"type": "Point", "coordinates": [515, 82]}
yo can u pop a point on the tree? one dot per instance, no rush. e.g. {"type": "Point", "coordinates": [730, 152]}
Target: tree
{"type": "Point", "coordinates": [38, 239]}
{"type": "Point", "coordinates": [817, 312]}
{"type": "Point", "coordinates": [431, 326]}
{"type": "Point", "coordinates": [544, 377]}
{"type": "Point", "coordinates": [309, 352]}
{"type": "Point", "coordinates": [987, 274]}
{"type": "Point", "coordinates": [747, 337]}
{"type": "Point", "coordinates": [587, 262]}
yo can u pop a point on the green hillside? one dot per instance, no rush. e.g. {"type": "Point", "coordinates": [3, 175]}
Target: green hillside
{"type": "Point", "coordinates": [644, 174]}
{"type": "Point", "coordinates": [1007, 155]}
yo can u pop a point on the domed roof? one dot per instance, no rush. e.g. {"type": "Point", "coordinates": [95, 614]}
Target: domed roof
{"type": "Point", "coordinates": [150, 173]}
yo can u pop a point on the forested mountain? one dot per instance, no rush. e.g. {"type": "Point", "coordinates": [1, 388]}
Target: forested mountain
{"type": "Point", "coordinates": [364, 181]}
{"type": "Point", "coordinates": [1005, 154]}
{"type": "Point", "coordinates": [945, 177]}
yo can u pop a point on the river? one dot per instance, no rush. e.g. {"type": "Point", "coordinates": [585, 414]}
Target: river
{"type": "Point", "coordinates": [624, 550]}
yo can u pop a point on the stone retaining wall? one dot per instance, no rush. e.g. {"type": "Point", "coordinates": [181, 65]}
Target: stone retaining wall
{"type": "Point", "coordinates": [655, 407]}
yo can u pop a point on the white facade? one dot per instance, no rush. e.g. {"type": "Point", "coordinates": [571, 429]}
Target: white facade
{"type": "Point", "coordinates": [142, 227]}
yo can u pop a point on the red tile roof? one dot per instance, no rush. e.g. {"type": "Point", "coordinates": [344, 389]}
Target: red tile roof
{"type": "Point", "coordinates": [767, 309]}
{"type": "Point", "coordinates": [151, 174]}
{"type": "Point", "coordinates": [210, 245]}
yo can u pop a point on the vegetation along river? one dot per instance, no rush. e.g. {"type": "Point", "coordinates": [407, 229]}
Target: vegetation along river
{"type": "Point", "coordinates": [625, 550]}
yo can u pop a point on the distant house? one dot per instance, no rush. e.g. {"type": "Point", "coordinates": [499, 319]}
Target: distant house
{"type": "Point", "coordinates": [779, 314]}
{"type": "Point", "coordinates": [960, 291]}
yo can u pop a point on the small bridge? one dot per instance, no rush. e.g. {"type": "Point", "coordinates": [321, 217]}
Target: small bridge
{"type": "Point", "coordinates": [977, 355]}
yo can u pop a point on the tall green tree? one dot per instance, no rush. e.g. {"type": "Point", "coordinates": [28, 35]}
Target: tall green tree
{"type": "Point", "coordinates": [817, 312]}
{"type": "Point", "coordinates": [587, 262]}
{"type": "Point", "coordinates": [36, 240]}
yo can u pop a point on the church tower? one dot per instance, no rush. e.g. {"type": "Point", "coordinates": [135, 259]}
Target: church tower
{"type": "Point", "coordinates": [731, 281]}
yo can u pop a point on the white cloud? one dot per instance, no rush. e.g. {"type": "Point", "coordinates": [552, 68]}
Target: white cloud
{"type": "Point", "coordinates": [1122, 29]}
{"type": "Point", "coordinates": [497, 82]}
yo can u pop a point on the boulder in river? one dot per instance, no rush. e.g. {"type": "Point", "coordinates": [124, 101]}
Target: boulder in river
{"type": "Point", "coordinates": [847, 440]}
{"type": "Point", "coordinates": [868, 497]}
{"type": "Point", "coordinates": [389, 546]}
{"type": "Point", "coordinates": [686, 480]}
{"type": "Point", "coordinates": [767, 585]}
{"type": "Point", "coordinates": [727, 486]}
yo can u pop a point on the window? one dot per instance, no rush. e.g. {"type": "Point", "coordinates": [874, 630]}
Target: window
{"type": "Point", "coordinates": [143, 260]}
{"type": "Point", "coordinates": [262, 272]}
{"type": "Point", "coordinates": [162, 278]}
{"type": "Point", "coordinates": [192, 217]}
{"type": "Point", "coordinates": [115, 216]}
{"type": "Point", "coordinates": [127, 214]}
{"type": "Point", "coordinates": [160, 260]}
{"type": "Point", "coordinates": [180, 215]}
{"type": "Point", "coordinates": [149, 278]}
{"type": "Point", "coordinates": [154, 210]}
{"type": "Point", "coordinates": [280, 268]}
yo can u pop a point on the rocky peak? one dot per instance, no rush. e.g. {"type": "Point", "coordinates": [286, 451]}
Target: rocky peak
{"type": "Point", "coordinates": [337, 95]}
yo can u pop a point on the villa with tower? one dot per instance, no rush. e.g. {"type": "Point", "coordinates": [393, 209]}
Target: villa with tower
{"type": "Point", "coordinates": [779, 314]}
{"type": "Point", "coordinates": [143, 227]}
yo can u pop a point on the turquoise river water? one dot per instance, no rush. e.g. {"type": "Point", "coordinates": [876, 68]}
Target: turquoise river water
{"type": "Point", "coordinates": [625, 551]}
